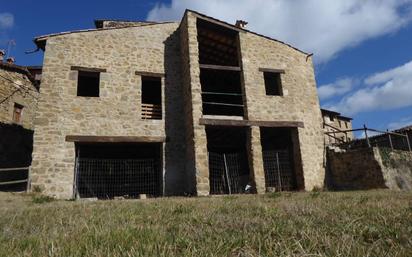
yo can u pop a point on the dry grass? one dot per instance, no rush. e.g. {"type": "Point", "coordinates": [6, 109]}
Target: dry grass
{"type": "Point", "coordinates": [373, 223]}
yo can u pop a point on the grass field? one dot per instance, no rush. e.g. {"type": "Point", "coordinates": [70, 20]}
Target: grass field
{"type": "Point", "coordinates": [372, 223]}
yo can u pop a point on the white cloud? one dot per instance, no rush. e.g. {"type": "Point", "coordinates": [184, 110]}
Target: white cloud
{"type": "Point", "coordinates": [323, 27]}
{"type": "Point", "coordinates": [383, 91]}
{"type": "Point", "coordinates": [6, 20]}
{"type": "Point", "coordinates": [407, 121]}
{"type": "Point", "coordinates": [385, 76]}
{"type": "Point", "coordinates": [360, 135]}
{"type": "Point", "coordinates": [339, 87]}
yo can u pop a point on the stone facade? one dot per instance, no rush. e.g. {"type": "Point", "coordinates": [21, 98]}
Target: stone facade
{"type": "Point", "coordinates": [18, 103]}
{"type": "Point", "coordinates": [299, 102]}
{"type": "Point", "coordinates": [17, 79]}
{"type": "Point", "coordinates": [370, 168]}
{"type": "Point", "coordinates": [335, 122]}
{"type": "Point", "coordinates": [116, 112]}
{"type": "Point", "coordinates": [170, 49]}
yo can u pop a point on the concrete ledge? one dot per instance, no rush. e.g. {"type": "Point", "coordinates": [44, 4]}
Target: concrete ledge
{"type": "Point", "coordinates": [114, 139]}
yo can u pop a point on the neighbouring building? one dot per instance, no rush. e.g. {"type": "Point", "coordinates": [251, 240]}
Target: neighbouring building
{"type": "Point", "coordinates": [337, 127]}
{"type": "Point", "coordinates": [18, 94]}
{"type": "Point", "coordinates": [194, 107]}
{"type": "Point", "coordinates": [18, 101]}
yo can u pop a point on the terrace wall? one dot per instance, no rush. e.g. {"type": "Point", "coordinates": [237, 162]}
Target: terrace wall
{"type": "Point", "coordinates": [370, 168]}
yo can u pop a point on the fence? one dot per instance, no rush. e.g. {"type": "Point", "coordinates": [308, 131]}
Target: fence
{"type": "Point", "coordinates": [380, 138]}
{"type": "Point", "coordinates": [14, 179]}
{"type": "Point", "coordinates": [108, 178]}
{"type": "Point", "coordinates": [229, 173]}
{"type": "Point", "coordinates": [279, 173]}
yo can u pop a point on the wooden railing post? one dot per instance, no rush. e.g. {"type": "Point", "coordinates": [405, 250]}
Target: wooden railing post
{"type": "Point", "coordinates": [390, 139]}
{"type": "Point", "coordinates": [408, 141]}
{"type": "Point", "coordinates": [366, 135]}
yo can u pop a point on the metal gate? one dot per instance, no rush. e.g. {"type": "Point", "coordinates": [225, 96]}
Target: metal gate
{"type": "Point", "coordinates": [107, 178]}
{"type": "Point", "coordinates": [228, 173]}
{"type": "Point", "coordinates": [279, 173]}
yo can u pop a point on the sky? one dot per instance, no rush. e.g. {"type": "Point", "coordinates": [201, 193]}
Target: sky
{"type": "Point", "coordinates": [362, 48]}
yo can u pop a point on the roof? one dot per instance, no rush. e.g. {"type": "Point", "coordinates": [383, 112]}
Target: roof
{"type": "Point", "coordinates": [40, 41]}
{"type": "Point", "coordinates": [325, 111]}
{"type": "Point", "coordinates": [244, 30]}
{"type": "Point", "coordinates": [337, 114]}
{"type": "Point", "coordinates": [34, 67]}
{"type": "Point", "coordinates": [344, 118]}
{"type": "Point", "coordinates": [18, 68]}
{"type": "Point", "coordinates": [98, 23]}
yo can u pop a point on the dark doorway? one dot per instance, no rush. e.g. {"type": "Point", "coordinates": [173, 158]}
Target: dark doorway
{"type": "Point", "coordinates": [278, 163]}
{"type": "Point", "coordinates": [228, 162]}
{"type": "Point", "coordinates": [107, 170]}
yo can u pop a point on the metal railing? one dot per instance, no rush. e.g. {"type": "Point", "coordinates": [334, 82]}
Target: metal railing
{"type": "Point", "coordinates": [10, 180]}
{"type": "Point", "coordinates": [393, 140]}
{"type": "Point", "coordinates": [233, 101]}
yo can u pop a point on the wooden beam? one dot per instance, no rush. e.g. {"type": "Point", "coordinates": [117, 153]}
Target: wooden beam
{"type": "Point", "coordinates": [271, 70]}
{"type": "Point", "coordinates": [149, 74]}
{"type": "Point", "coordinates": [115, 139]}
{"type": "Point", "coordinates": [219, 67]}
{"type": "Point", "coordinates": [79, 68]}
{"type": "Point", "coordinates": [248, 123]}
{"type": "Point", "coordinates": [223, 24]}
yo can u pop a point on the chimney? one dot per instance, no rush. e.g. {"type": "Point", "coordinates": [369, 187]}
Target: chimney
{"type": "Point", "coordinates": [2, 54]}
{"type": "Point", "coordinates": [10, 60]}
{"type": "Point", "coordinates": [241, 24]}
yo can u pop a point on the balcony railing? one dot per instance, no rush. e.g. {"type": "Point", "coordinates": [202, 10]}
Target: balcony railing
{"type": "Point", "coordinates": [151, 111]}
{"type": "Point", "coordinates": [222, 103]}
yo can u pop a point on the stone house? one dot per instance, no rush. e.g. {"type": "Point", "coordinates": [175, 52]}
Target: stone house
{"type": "Point", "coordinates": [18, 93]}
{"type": "Point", "coordinates": [194, 107]}
{"type": "Point", "coordinates": [18, 102]}
{"type": "Point", "coordinates": [336, 123]}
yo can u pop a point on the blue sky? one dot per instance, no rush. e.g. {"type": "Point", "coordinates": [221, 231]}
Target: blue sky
{"type": "Point", "coordinates": [362, 49]}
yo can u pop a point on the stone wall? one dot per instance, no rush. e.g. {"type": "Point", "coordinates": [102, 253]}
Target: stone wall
{"type": "Point", "coordinates": [370, 168]}
{"type": "Point", "coordinates": [117, 111]}
{"type": "Point", "coordinates": [10, 79]}
{"type": "Point", "coordinates": [197, 137]}
{"type": "Point", "coordinates": [190, 167]}
{"type": "Point", "coordinates": [298, 103]}
{"type": "Point", "coordinates": [396, 168]}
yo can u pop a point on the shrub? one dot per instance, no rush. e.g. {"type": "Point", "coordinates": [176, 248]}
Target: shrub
{"type": "Point", "coordinates": [42, 199]}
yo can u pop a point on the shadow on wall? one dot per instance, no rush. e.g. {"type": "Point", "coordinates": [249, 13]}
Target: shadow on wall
{"type": "Point", "coordinates": [16, 146]}
{"type": "Point", "coordinates": [174, 119]}
{"type": "Point", "coordinates": [369, 168]}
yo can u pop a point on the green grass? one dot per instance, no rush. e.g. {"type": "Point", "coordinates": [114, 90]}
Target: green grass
{"type": "Point", "coordinates": [372, 223]}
